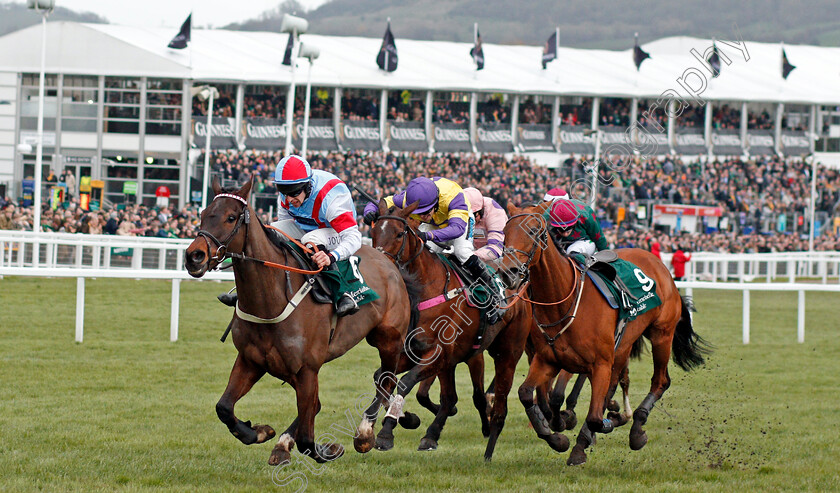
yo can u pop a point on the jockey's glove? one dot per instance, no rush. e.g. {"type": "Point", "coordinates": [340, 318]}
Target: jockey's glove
{"type": "Point", "coordinates": [425, 236]}
{"type": "Point", "coordinates": [370, 217]}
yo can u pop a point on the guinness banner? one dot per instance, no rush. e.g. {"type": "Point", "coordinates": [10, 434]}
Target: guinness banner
{"type": "Point", "coordinates": [795, 142]}
{"type": "Point", "coordinates": [494, 137]}
{"type": "Point", "coordinates": [362, 135]}
{"type": "Point", "coordinates": [223, 134]}
{"type": "Point", "coordinates": [535, 137]}
{"type": "Point", "coordinates": [651, 142]}
{"type": "Point", "coordinates": [408, 136]}
{"type": "Point", "coordinates": [726, 141]}
{"type": "Point", "coordinates": [573, 140]}
{"type": "Point", "coordinates": [321, 135]}
{"type": "Point", "coordinates": [689, 140]}
{"type": "Point", "coordinates": [264, 133]}
{"type": "Point", "coordinates": [616, 141]}
{"type": "Point", "coordinates": [452, 137]}
{"type": "Point", "coordinates": [761, 142]}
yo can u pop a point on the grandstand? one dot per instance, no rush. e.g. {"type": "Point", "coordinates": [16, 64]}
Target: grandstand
{"type": "Point", "coordinates": [119, 106]}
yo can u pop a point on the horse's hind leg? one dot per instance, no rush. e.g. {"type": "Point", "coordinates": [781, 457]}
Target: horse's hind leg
{"type": "Point", "coordinates": [423, 395]}
{"type": "Point", "coordinates": [505, 364]}
{"type": "Point", "coordinates": [308, 406]}
{"type": "Point", "coordinates": [243, 376]}
{"type": "Point", "coordinates": [599, 379]}
{"type": "Point", "coordinates": [385, 437]}
{"type": "Point", "coordinates": [448, 397]}
{"type": "Point", "coordinates": [659, 382]}
{"type": "Point", "coordinates": [384, 381]}
{"type": "Point", "coordinates": [476, 367]}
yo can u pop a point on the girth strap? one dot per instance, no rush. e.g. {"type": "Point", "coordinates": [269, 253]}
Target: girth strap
{"type": "Point", "coordinates": [290, 307]}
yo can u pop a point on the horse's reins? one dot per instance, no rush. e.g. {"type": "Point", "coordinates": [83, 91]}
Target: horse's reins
{"type": "Point", "coordinates": [245, 218]}
{"type": "Point", "coordinates": [575, 288]}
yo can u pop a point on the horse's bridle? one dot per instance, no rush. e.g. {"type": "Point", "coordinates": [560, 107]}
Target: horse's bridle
{"type": "Point", "coordinates": [222, 245]}
{"type": "Point", "coordinates": [402, 234]}
{"type": "Point", "coordinates": [524, 267]}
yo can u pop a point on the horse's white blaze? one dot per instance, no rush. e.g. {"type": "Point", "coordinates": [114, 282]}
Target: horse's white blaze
{"type": "Point", "coordinates": [396, 409]}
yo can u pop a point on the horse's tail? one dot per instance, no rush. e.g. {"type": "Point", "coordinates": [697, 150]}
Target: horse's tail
{"type": "Point", "coordinates": [638, 348]}
{"type": "Point", "coordinates": [688, 348]}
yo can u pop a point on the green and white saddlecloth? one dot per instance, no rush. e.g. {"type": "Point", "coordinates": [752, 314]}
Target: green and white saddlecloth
{"type": "Point", "coordinates": [346, 278]}
{"type": "Point", "coordinates": [642, 287]}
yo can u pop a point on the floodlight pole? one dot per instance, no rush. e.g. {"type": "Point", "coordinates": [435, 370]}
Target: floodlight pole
{"type": "Point", "coordinates": [306, 111]}
{"type": "Point", "coordinates": [206, 180]}
{"type": "Point", "coordinates": [290, 98]}
{"type": "Point", "coordinates": [813, 202]}
{"type": "Point", "coordinates": [596, 166]}
{"type": "Point", "coordinates": [39, 153]}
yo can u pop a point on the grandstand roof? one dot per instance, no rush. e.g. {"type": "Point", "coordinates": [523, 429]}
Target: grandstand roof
{"type": "Point", "coordinates": [255, 57]}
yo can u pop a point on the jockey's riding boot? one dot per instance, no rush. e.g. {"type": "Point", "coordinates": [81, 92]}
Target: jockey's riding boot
{"type": "Point", "coordinates": [346, 305]}
{"type": "Point", "coordinates": [479, 271]}
{"type": "Point", "coordinates": [228, 299]}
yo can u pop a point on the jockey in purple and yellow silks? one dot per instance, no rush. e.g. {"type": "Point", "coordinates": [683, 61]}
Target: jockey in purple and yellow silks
{"type": "Point", "coordinates": [446, 221]}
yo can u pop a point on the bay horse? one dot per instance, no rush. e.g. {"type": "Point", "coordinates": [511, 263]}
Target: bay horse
{"type": "Point", "coordinates": [576, 328]}
{"type": "Point", "coordinates": [292, 349]}
{"type": "Point", "coordinates": [446, 332]}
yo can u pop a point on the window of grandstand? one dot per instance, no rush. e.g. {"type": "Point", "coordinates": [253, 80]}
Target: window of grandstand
{"type": "Point", "coordinates": [224, 105]}
{"type": "Point", "coordinates": [614, 112]}
{"type": "Point", "coordinates": [451, 107]}
{"type": "Point", "coordinates": [360, 104]}
{"type": "Point", "coordinates": [79, 98]}
{"type": "Point", "coordinates": [575, 110]}
{"type": "Point", "coordinates": [796, 117]}
{"type": "Point", "coordinates": [159, 171]}
{"type": "Point", "coordinates": [405, 105]}
{"type": "Point", "coordinates": [262, 101]}
{"type": "Point", "coordinates": [535, 109]}
{"type": "Point", "coordinates": [163, 106]}
{"type": "Point", "coordinates": [122, 105]}
{"type": "Point", "coordinates": [727, 116]}
{"type": "Point", "coordinates": [29, 102]}
{"type": "Point", "coordinates": [119, 168]}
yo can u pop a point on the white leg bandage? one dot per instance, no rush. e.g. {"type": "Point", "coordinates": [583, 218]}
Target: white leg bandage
{"type": "Point", "coordinates": [396, 409]}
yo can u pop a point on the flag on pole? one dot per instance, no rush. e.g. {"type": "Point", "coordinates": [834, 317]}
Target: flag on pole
{"type": "Point", "coordinates": [714, 61]}
{"type": "Point", "coordinates": [787, 68]}
{"type": "Point", "coordinates": [387, 58]}
{"type": "Point", "coordinates": [550, 49]}
{"type": "Point", "coordinates": [182, 39]}
{"type": "Point", "coordinates": [477, 52]}
{"type": "Point", "coordinates": [639, 55]}
{"type": "Point", "coordinates": [287, 57]}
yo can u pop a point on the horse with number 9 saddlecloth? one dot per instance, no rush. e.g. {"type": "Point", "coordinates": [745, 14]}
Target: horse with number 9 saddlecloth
{"type": "Point", "coordinates": [294, 345]}
{"type": "Point", "coordinates": [577, 328]}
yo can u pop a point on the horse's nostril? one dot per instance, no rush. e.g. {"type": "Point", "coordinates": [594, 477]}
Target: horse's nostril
{"type": "Point", "coordinates": [196, 256]}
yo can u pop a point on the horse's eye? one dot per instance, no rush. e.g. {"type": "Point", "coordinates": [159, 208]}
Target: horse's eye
{"type": "Point", "coordinates": [231, 219]}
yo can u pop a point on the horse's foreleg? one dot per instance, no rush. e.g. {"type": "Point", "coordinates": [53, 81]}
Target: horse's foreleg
{"type": "Point", "coordinates": [480, 400]}
{"type": "Point", "coordinates": [505, 366]}
{"type": "Point", "coordinates": [423, 395]}
{"type": "Point", "coordinates": [384, 382]}
{"type": "Point", "coordinates": [448, 398]}
{"type": "Point", "coordinates": [599, 379]}
{"type": "Point", "coordinates": [243, 376]}
{"type": "Point", "coordinates": [624, 381]}
{"type": "Point", "coordinates": [395, 414]}
{"type": "Point", "coordinates": [568, 414]}
{"type": "Point", "coordinates": [539, 373]}
{"type": "Point", "coordinates": [661, 350]}
{"type": "Point", "coordinates": [308, 406]}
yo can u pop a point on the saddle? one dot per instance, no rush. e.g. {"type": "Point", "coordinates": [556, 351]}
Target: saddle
{"type": "Point", "coordinates": [321, 292]}
{"type": "Point", "coordinates": [601, 263]}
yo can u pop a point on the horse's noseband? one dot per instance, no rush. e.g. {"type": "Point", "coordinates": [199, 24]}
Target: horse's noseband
{"type": "Point", "coordinates": [222, 245]}
{"type": "Point", "coordinates": [404, 235]}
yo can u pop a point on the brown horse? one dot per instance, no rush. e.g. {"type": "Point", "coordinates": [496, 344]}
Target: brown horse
{"type": "Point", "coordinates": [295, 348]}
{"type": "Point", "coordinates": [446, 332]}
{"type": "Point", "coordinates": [576, 328]}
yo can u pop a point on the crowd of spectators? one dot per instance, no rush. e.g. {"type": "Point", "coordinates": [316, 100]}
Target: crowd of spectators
{"type": "Point", "coordinates": [753, 193]}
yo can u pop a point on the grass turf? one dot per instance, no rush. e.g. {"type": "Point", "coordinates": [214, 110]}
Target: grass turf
{"type": "Point", "coordinates": [129, 411]}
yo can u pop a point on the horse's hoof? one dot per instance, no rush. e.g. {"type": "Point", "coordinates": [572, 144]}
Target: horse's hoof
{"type": "Point", "coordinates": [617, 418]}
{"type": "Point", "coordinates": [427, 444]}
{"type": "Point", "coordinates": [328, 452]}
{"type": "Point", "coordinates": [570, 418]}
{"type": "Point", "coordinates": [577, 457]}
{"type": "Point", "coordinates": [410, 421]}
{"type": "Point", "coordinates": [613, 406]}
{"type": "Point", "coordinates": [558, 442]}
{"type": "Point", "coordinates": [453, 411]}
{"type": "Point", "coordinates": [638, 440]}
{"type": "Point", "coordinates": [485, 430]}
{"type": "Point", "coordinates": [384, 443]}
{"type": "Point", "coordinates": [363, 444]}
{"type": "Point", "coordinates": [279, 456]}
{"type": "Point", "coordinates": [264, 433]}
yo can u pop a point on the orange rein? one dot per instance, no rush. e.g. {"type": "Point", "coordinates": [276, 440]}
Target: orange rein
{"type": "Point", "coordinates": [286, 267]}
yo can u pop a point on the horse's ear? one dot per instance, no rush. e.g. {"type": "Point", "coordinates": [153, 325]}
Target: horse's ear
{"type": "Point", "coordinates": [216, 186]}
{"type": "Point", "coordinates": [543, 206]}
{"type": "Point", "coordinates": [383, 207]}
{"type": "Point", "coordinates": [512, 209]}
{"type": "Point", "coordinates": [405, 212]}
{"type": "Point", "coordinates": [245, 191]}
